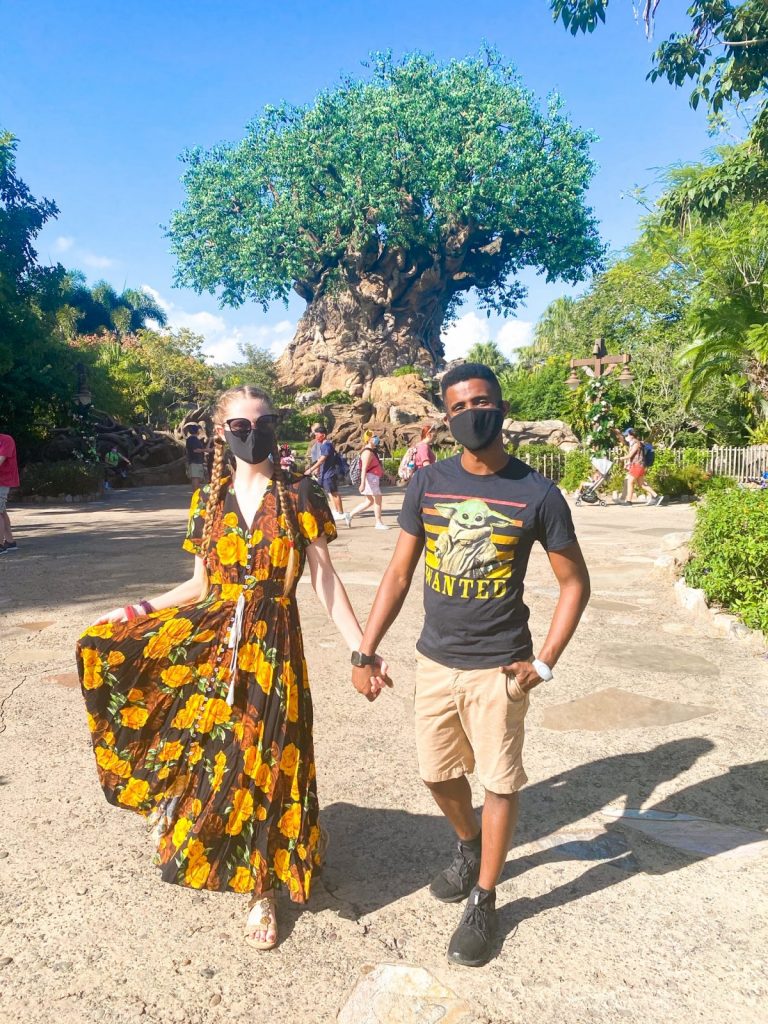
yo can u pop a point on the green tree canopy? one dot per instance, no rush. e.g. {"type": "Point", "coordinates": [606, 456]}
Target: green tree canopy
{"type": "Point", "coordinates": [488, 353]}
{"type": "Point", "coordinates": [724, 53]}
{"type": "Point", "coordinates": [403, 191]}
{"type": "Point", "coordinates": [81, 309]}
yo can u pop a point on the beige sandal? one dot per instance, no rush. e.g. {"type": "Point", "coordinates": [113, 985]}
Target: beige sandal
{"type": "Point", "coordinates": [262, 916]}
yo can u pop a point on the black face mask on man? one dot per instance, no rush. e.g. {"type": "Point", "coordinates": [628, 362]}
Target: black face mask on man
{"type": "Point", "coordinates": [255, 447]}
{"type": "Point", "coordinates": [476, 428]}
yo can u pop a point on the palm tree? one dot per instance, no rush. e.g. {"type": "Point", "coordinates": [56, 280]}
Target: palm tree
{"type": "Point", "coordinates": [488, 353]}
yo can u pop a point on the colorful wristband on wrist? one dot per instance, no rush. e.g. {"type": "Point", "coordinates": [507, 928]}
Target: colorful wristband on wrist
{"type": "Point", "coordinates": [146, 606]}
{"type": "Point", "coordinates": [129, 612]}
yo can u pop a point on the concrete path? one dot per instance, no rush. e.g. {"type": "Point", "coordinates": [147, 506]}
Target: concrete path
{"type": "Point", "coordinates": [603, 916]}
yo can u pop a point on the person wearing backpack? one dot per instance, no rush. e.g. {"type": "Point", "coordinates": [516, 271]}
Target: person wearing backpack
{"type": "Point", "coordinates": [639, 458]}
{"type": "Point", "coordinates": [327, 467]}
{"type": "Point", "coordinates": [419, 454]}
{"type": "Point", "coordinates": [366, 471]}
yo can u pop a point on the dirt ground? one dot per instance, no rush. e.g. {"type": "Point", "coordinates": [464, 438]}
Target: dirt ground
{"type": "Point", "coordinates": [599, 920]}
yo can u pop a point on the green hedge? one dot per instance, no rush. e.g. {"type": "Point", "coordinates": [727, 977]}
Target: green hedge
{"type": "Point", "coordinates": [50, 479]}
{"type": "Point", "coordinates": [730, 553]}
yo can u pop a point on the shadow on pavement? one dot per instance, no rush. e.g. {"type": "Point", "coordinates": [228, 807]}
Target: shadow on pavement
{"type": "Point", "coordinates": [379, 855]}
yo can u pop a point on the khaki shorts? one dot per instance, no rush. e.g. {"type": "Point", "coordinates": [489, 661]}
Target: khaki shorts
{"type": "Point", "coordinates": [469, 720]}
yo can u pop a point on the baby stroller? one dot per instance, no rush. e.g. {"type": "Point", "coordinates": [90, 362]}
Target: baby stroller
{"type": "Point", "coordinates": [588, 492]}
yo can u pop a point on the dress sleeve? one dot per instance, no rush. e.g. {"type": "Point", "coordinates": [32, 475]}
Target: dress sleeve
{"type": "Point", "coordinates": [314, 514]}
{"type": "Point", "coordinates": [196, 522]}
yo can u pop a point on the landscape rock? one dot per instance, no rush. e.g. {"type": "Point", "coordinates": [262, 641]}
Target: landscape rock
{"type": "Point", "coordinates": [554, 432]}
{"type": "Point", "coordinates": [692, 599]}
{"type": "Point", "coordinates": [674, 541]}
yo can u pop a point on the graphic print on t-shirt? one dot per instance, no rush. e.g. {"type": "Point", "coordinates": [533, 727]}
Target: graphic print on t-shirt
{"type": "Point", "coordinates": [470, 542]}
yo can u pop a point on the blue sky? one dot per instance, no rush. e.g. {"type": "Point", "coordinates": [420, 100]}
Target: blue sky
{"type": "Point", "coordinates": [103, 97]}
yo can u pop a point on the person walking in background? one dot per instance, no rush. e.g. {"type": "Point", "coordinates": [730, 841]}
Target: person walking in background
{"type": "Point", "coordinates": [476, 517]}
{"type": "Point", "coordinates": [327, 469]}
{"type": "Point", "coordinates": [194, 448]}
{"type": "Point", "coordinates": [198, 699]}
{"type": "Point", "coordinates": [314, 448]}
{"type": "Point", "coordinates": [635, 464]}
{"type": "Point", "coordinates": [418, 455]}
{"type": "Point", "coordinates": [117, 465]}
{"type": "Point", "coordinates": [9, 477]}
{"type": "Point", "coordinates": [371, 472]}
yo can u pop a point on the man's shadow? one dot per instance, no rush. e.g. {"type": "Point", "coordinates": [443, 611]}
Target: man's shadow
{"type": "Point", "coordinates": [379, 855]}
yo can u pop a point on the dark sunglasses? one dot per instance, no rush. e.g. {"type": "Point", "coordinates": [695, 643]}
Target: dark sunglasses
{"type": "Point", "coordinates": [242, 427]}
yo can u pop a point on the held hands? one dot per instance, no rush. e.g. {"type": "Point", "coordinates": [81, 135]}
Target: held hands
{"type": "Point", "coordinates": [524, 673]}
{"type": "Point", "coordinates": [371, 680]}
{"type": "Point", "coordinates": [116, 615]}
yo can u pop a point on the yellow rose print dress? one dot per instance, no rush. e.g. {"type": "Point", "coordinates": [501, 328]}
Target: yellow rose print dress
{"type": "Point", "coordinates": [201, 716]}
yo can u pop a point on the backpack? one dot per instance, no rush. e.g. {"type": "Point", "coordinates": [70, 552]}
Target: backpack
{"type": "Point", "coordinates": [407, 464]}
{"type": "Point", "coordinates": [342, 464]}
{"type": "Point", "coordinates": [356, 470]}
{"type": "Point", "coordinates": [649, 454]}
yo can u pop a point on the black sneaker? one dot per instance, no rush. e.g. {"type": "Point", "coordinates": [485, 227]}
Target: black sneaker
{"type": "Point", "coordinates": [471, 944]}
{"type": "Point", "coordinates": [456, 882]}
{"type": "Point", "coordinates": [12, 547]}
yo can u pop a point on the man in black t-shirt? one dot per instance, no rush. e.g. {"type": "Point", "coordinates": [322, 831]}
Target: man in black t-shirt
{"type": "Point", "coordinates": [476, 517]}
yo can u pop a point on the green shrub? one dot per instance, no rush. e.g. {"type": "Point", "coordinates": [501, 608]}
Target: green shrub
{"type": "Point", "coordinates": [730, 553]}
{"type": "Point", "coordinates": [403, 371]}
{"type": "Point", "coordinates": [295, 426]}
{"type": "Point", "coordinates": [578, 468]}
{"type": "Point", "coordinates": [50, 479]}
{"type": "Point", "coordinates": [680, 480]}
{"type": "Point", "coordinates": [391, 467]}
{"type": "Point", "coordinates": [338, 398]}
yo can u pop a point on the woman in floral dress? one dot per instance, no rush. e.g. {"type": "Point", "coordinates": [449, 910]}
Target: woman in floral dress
{"type": "Point", "coordinates": [198, 700]}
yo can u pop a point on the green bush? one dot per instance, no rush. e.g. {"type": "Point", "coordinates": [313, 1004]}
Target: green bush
{"type": "Point", "coordinates": [50, 479]}
{"type": "Point", "coordinates": [730, 553]}
{"type": "Point", "coordinates": [391, 467]}
{"type": "Point", "coordinates": [338, 398]}
{"type": "Point", "coordinates": [680, 480]}
{"type": "Point", "coordinates": [403, 371]}
{"type": "Point", "coordinates": [295, 426]}
{"type": "Point", "coordinates": [578, 468]}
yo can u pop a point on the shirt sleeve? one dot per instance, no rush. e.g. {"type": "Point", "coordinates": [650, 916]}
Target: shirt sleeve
{"type": "Point", "coordinates": [555, 529]}
{"type": "Point", "coordinates": [314, 514]}
{"type": "Point", "coordinates": [410, 518]}
{"type": "Point", "coordinates": [196, 523]}
{"type": "Point", "coordinates": [326, 449]}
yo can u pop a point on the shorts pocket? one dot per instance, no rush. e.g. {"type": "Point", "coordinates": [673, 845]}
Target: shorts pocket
{"type": "Point", "coordinates": [515, 692]}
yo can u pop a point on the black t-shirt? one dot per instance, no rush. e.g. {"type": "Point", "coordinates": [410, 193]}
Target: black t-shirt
{"type": "Point", "coordinates": [478, 533]}
{"type": "Point", "coordinates": [195, 448]}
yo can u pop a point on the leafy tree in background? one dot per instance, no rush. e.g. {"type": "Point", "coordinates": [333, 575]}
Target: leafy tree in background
{"type": "Point", "coordinates": [384, 202]}
{"type": "Point", "coordinates": [724, 54]}
{"type": "Point", "coordinates": [36, 372]}
{"type": "Point", "coordinates": [539, 393]}
{"type": "Point", "coordinates": [80, 309]}
{"type": "Point", "coordinates": [256, 366]}
{"type": "Point", "coordinates": [488, 353]}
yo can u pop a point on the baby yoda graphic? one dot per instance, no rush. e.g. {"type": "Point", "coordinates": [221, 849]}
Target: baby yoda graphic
{"type": "Point", "coordinates": [466, 548]}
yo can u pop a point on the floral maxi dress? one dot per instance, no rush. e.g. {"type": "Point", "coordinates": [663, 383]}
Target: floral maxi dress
{"type": "Point", "coordinates": [201, 716]}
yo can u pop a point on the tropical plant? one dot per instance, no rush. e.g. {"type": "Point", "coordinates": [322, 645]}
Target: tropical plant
{"type": "Point", "coordinates": [81, 309]}
{"type": "Point", "coordinates": [488, 353]}
{"type": "Point", "coordinates": [725, 52]}
{"type": "Point", "coordinates": [384, 202]}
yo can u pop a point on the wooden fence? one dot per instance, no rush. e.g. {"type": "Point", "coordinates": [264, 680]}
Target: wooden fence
{"type": "Point", "coordinates": [741, 464]}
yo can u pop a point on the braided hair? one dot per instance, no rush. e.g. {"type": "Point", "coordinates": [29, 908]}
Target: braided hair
{"type": "Point", "coordinates": [286, 516]}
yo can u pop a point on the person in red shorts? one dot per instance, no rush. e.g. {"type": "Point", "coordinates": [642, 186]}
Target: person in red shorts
{"type": "Point", "coordinates": [9, 477]}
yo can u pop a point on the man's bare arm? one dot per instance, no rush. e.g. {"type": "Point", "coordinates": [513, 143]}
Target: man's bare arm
{"type": "Point", "coordinates": [573, 577]}
{"type": "Point", "coordinates": [392, 591]}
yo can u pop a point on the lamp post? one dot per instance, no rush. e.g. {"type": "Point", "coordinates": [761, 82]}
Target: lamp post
{"type": "Point", "coordinates": [600, 423]}
{"type": "Point", "coordinates": [600, 365]}
{"type": "Point", "coordinates": [82, 397]}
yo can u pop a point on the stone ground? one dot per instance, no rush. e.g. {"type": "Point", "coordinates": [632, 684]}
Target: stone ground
{"type": "Point", "coordinates": [600, 921]}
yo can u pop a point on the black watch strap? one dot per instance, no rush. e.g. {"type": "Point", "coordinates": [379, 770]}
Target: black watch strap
{"type": "Point", "coordinates": [360, 660]}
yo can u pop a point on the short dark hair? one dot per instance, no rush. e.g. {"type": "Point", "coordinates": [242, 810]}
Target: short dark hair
{"type": "Point", "coordinates": [471, 371]}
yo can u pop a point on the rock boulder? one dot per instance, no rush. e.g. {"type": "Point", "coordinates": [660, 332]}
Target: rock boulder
{"type": "Point", "coordinates": [554, 432]}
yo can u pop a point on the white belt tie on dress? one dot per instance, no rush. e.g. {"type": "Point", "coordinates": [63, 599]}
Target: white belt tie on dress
{"type": "Point", "coordinates": [235, 635]}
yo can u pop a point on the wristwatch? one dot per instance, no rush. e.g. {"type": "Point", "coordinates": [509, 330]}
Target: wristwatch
{"type": "Point", "coordinates": [360, 660]}
{"type": "Point", "coordinates": [544, 671]}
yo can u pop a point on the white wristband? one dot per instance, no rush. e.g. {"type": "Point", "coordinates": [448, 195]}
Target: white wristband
{"type": "Point", "coordinates": [544, 671]}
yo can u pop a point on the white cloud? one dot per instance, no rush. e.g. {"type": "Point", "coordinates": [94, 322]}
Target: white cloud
{"type": "Point", "coordinates": [468, 330]}
{"type": "Point", "coordinates": [81, 257]}
{"type": "Point", "coordinates": [92, 261]}
{"type": "Point", "coordinates": [223, 340]}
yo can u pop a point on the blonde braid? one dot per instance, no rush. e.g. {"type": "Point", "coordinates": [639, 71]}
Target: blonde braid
{"type": "Point", "coordinates": [281, 481]}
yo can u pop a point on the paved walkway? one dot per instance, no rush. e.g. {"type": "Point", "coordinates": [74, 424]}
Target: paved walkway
{"type": "Point", "coordinates": [601, 919]}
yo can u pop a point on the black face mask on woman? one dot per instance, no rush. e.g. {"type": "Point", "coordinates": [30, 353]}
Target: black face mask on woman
{"type": "Point", "coordinates": [476, 428]}
{"type": "Point", "coordinates": [255, 447]}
